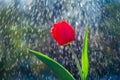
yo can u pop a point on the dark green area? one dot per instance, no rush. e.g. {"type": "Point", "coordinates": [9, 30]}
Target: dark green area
{"type": "Point", "coordinates": [16, 35]}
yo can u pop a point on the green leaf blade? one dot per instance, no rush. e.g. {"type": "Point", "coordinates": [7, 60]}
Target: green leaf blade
{"type": "Point", "coordinates": [60, 71]}
{"type": "Point", "coordinates": [85, 61]}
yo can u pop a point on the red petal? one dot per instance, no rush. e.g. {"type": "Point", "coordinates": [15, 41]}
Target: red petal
{"type": "Point", "coordinates": [63, 33]}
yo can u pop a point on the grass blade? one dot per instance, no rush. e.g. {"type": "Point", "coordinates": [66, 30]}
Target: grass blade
{"type": "Point", "coordinates": [60, 71]}
{"type": "Point", "coordinates": [85, 61]}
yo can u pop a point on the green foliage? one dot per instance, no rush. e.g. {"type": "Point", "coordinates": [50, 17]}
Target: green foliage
{"type": "Point", "coordinates": [59, 70]}
{"type": "Point", "coordinates": [85, 61]}
{"type": "Point", "coordinates": [9, 15]}
{"type": "Point", "coordinates": [15, 37]}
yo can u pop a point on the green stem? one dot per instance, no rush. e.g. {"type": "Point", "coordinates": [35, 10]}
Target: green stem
{"type": "Point", "coordinates": [77, 62]}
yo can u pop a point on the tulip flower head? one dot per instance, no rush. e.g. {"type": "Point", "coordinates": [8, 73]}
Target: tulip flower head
{"type": "Point", "coordinates": [63, 33]}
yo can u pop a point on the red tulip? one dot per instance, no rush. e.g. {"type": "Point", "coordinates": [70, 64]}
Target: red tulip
{"type": "Point", "coordinates": [63, 33]}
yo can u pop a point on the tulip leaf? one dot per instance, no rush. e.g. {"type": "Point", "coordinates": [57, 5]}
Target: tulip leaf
{"type": "Point", "coordinates": [85, 61]}
{"type": "Point", "coordinates": [59, 70]}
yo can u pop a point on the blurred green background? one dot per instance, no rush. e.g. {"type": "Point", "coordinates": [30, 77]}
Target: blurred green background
{"type": "Point", "coordinates": [21, 29]}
